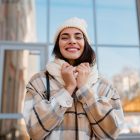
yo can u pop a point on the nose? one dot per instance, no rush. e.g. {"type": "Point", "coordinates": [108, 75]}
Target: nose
{"type": "Point", "coordinates": [72, 40]}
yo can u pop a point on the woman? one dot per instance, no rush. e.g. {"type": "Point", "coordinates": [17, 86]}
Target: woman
{"type": "Point", "coordinates": [75, 103]}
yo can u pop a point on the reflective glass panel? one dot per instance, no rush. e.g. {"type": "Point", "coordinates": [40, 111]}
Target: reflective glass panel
{"type": "Point", "coordinates": [41, 20]}
{"type": "Point", "coordinates": [121, 65]}
{"type": "Point", "coordinates": [132, 125]}
{"type": "Point", "coordinates": [117, 22]}
{"type": "Point", "coordinates": [23, 20]}
{"type": "Point", "coordinates": [19, 66]}
{"type": "Point", "coordinates": [13, 130]}
{"type": "Point", "coordinates": [61, 10]}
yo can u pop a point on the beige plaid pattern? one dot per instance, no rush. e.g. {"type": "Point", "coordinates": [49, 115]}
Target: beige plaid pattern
{"type": "Point", "coordinates": [96, 112]}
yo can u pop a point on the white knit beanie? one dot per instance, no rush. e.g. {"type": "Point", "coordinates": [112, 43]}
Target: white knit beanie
{"type": "Point", "coordinates": [76, 23]}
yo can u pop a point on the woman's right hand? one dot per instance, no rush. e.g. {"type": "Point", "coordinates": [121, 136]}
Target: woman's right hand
{"type": "Point", "coordinates": [67, 72]}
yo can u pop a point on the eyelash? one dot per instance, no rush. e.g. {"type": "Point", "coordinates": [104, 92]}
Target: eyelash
{"type": "Point", "coordinates": [65, 38]}
{"type": "Point", "coordinates": [78, 38]}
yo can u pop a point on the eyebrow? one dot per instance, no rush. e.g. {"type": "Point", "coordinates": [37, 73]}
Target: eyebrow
{"type": "Point", "coordinates": [74, 34]}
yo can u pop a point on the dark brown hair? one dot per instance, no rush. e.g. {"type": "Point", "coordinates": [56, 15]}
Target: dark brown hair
{"type": "Point", "coordinates": [88, 54]}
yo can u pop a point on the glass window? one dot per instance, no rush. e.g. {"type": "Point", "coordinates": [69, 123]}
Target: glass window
{"type": "Point", "coordinates": [62, 10]}
{"type": "Point", "coordinates": [117, 22]}
{"type": "Point", "coordinates": [19, 66]}
{"type": "Point", "coordinates": [41, 20]}
{"type": "Point", "coordinates": [23, 20]}
{"type": "Point", "coordinates": [12, 129]}
{"type": "Point", "coordinates": [131, 125]}
{"type": "Point", "coordinates": [121, 66]}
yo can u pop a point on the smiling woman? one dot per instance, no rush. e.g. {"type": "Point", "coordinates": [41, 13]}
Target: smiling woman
{"type": "Point", "coordinates": [71, 43]}
{"type": "Point", "coordinates": [70, 100]}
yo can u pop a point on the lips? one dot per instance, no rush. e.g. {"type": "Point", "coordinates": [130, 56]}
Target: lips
{"type": "Point", "coordinates": [72, 49]}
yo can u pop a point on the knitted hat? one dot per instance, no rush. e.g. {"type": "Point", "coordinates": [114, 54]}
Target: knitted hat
{"type": "Point", "coordinates": [76, 23]}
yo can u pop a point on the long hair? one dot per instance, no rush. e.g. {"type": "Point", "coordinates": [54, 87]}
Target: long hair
{"type": "Point", "coordinates": [88, 54]}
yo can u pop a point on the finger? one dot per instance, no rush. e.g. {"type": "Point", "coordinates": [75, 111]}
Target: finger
{"type": "Point", "coordinates": [71, 68]}
{"type": "Point", "coordinates": [74, 69]}
{"type": "Point", "coordinates": [68, 69]}
{"type": "Point", "coordinates": [83, 69]}
{"type": "Point", "coordinates": [75, 74]}
{"type": "Point", "coordinates": [65, 65]}
{"type": "Point", "coordinates": [82, 66]}
{"type": "Point", "coordinates": [86, 64]}
{"type": "Point", "coordinates": [79, 69]}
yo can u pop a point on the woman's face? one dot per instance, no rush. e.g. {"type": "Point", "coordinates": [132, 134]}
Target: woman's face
{"type": "Point", "coordinates": [71, 44]}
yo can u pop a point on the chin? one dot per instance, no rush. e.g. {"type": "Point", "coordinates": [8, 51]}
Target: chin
{"type": "Point", "coordinates": [72, 58]}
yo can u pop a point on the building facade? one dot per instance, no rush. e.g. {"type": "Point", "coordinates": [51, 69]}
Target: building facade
{"type": "Point", "coordinates": [27, 28]}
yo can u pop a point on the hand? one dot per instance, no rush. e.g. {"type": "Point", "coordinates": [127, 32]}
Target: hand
{"type": "Point", "coordinates": [83, 72]}
{"type": "Point", "coordinates": [67, 72]}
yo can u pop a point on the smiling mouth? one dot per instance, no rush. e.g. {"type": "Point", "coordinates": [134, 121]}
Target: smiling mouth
{"type": "Point", "coordinates": [72, 49]}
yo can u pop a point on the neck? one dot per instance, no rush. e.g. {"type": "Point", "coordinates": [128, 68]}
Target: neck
{"type": "Point", "coordinates": [71, 62]}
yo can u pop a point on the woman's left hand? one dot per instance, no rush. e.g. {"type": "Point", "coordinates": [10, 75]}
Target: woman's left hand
{"type": "Point", "coordinates": [83, 72]}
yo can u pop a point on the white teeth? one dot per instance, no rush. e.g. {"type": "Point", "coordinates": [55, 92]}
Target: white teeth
{"type": "Point", "coordinates": [72, 49]}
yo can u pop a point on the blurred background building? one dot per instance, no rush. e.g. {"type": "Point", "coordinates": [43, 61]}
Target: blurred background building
{"type": "Point", "coordinates": [27, 28]}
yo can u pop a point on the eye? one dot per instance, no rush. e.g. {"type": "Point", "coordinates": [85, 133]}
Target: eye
{"type": "Point", "coordinates": [79, 37]}
{"type": "Point", "coordinates": [64, 38]}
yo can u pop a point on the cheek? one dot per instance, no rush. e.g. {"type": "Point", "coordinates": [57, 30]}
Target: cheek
{"type": "Point", "coordinates": [82, 46]}
{"type": "Point", "coordinates": [62, 50]}
{"type": "Point", "coordinates": [61, 44]}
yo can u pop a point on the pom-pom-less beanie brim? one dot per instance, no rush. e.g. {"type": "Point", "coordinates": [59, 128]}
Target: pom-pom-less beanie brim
{"type": "Point", "coordinates": [76, 23]}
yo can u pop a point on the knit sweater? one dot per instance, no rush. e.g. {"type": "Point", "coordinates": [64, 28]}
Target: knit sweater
{"type": "Point", "coordinates": [93, 113]}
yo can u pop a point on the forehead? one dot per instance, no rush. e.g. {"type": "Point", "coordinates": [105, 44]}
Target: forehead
{"type": "Point", "coordinates": [71, 30]}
